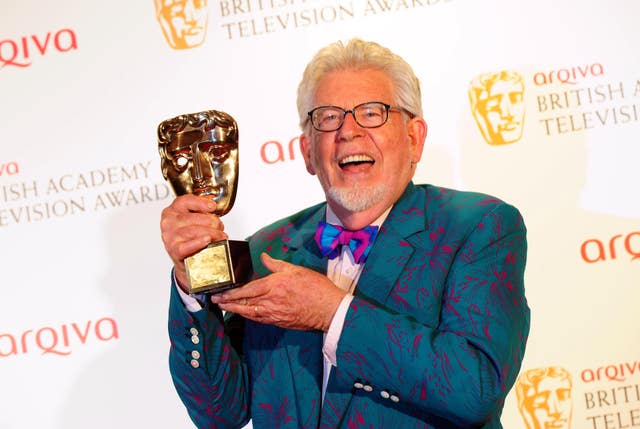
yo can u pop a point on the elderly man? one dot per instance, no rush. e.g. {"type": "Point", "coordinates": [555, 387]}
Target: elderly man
{"type": "Point", "coordinates": [418, 321]}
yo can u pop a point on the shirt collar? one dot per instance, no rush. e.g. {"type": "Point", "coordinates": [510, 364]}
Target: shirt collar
{"type": "Point", "coordinates": [333, 218]}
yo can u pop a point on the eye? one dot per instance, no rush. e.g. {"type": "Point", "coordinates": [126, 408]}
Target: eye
{"type": "Point", "coordinates": [564, 394]}
{"type": "Point", "coordinates": [220, 152]}
{"type": "Point", "coordinates": [540, 400]}
{"type": "Point", "coordinates": [180, 160]}
{"type": "Point", "coordinates": [492, 104]}
{"type": "Point", "coordinates": [371, 112]}
{"type": "Point", "coordinates": [515, 97]}
{"type": "Point", "coordinates": [328, 115]}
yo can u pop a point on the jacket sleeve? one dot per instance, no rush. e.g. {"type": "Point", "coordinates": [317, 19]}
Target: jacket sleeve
{"type": "Point", "coordinates": [460, 368]}
{"type": "Point", "coordinates": [207, 371]}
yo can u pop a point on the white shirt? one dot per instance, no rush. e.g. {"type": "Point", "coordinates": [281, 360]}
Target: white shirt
{"type": "Point", "coordinates": [344, 272]}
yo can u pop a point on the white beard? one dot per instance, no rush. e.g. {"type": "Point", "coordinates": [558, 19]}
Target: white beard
{"type": "Point", "coordinates": [356, 198]}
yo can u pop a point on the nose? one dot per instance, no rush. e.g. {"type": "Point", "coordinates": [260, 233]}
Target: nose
{"type": "Point", "coordinates": [200, 162]}
{"type": "Point", "coordinates": [350, 128]}
{"type": "Point", "coordinates": [505, 107]}
{"type": "Point", "coordinates": [553, 404]}
{"type": "Point", "coordinates": [189, 11]}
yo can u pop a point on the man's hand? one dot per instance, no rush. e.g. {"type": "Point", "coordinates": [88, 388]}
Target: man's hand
{"type": "Point", "coordinates": [187, 226]}
{"type": "Point", "coordinates": [291, 297]}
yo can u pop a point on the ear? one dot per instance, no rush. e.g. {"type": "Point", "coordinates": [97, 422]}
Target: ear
{"type": "Point", "coordinates": [305, 149]}
{"type": "Point", "coordinates": [417, 133]}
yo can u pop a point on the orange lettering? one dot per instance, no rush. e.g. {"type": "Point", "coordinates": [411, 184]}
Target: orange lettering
{"type": "Point", "coordinates": [279, 152]}
{"type": "Point", "coordinates": [600, 247]}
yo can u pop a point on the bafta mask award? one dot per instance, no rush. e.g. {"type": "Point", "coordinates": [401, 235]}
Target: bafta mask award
{"type": "Point", "coordinates": [199, 155]}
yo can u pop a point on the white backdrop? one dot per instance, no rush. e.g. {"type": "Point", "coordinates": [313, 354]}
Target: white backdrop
{"type": "Point", "coordinates": [83, 85]}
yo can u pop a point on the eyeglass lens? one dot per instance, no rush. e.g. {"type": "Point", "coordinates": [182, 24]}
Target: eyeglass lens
{"type": "Point", "coordinates": [367, 115]}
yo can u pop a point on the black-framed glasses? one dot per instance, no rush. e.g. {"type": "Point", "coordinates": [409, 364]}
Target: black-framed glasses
{"type": "Point", "coordinates": [372, 114]}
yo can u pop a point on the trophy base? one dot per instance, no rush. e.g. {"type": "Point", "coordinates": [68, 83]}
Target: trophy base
{"type": "Point", "coordinates": [219, 266]}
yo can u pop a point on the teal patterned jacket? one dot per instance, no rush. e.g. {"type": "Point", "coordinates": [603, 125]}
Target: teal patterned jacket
{"type": "Point", "coordinates": [434, 337]}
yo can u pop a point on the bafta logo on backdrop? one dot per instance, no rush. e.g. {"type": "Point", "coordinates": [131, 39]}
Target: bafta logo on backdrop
{"type": "Point", "coordinates": [497, 105]}
{"type": "Point", "coordinates": [183, 22]}
{"type": "Point", "coordinates": [544, 398]}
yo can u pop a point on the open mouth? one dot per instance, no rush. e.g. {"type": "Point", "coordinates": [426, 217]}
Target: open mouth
{"type": "Point", "coordinates": [353, 161]}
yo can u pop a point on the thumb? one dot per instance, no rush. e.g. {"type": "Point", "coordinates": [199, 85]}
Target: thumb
{"type": "Point", "coordinates": [275, 265]}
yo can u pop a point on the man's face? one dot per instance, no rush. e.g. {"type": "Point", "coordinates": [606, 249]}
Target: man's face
{"type": "Point", "coordinates": [362, 169]}
{"type": "Point", "coordinates": [503, 111]}
{"type": "Point", "coordinates": [208, 167]}
{"type": "Point", "coordinates": [184, 22]}
{"type": "Point", "coordinates": [551, 405]}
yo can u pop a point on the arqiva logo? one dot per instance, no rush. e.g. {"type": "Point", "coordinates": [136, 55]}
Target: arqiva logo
{"type": "Point", "coordinates": [612, 372]}
{"type": "Point", "coordinates": [273, 152]}
{"type": "Point", "coordinates": [58, 340]}
{"type": "Point", "coordinates": [19, 53]}
{"type": "Point", "coordinates": [10, 168]}
{"type": "Point", "coordinates": [594, 250]}
{"type": "Point", "coordinates": [570, 75]}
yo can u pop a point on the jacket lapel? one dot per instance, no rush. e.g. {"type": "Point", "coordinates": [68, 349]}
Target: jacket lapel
{"type": "Point", "coordinates": [303, 248]}
{"type": "Point", "coordinates": [391, 251]}
{"type": "Point", "coordinates": [394, 246]}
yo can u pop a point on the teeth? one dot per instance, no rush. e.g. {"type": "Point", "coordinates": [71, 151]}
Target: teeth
{"type": "Point", "coordinates": [355, 158]}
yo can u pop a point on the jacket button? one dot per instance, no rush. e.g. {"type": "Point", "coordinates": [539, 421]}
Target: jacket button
{"type": "Point", "coordinates": [195, 363]}
{"type": "Point", "coordinates": [195, 354]}
{"type": "Point", "coordinates": [193, 331]}
{"type": "Point", "coordinates": [367, 388]}
{"type": "Point", "coordinates": [395, 398]}
{"type": "Point", "coordinates": [358, 385]}
{"type": "Point", "coordinates": [195, 339]}
{"type": "Point", "coordinates": [385, 394]}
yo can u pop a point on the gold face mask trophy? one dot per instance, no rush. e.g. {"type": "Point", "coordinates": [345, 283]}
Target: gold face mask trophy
{"type": "Point", "coordinates": [199, 155]}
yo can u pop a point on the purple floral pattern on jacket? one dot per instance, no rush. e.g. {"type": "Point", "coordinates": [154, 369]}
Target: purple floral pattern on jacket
{"type": "Point", "coordinates": [434, 337]}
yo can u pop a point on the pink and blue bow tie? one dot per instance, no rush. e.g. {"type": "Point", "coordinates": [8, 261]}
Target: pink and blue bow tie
{"type": "Point", "coordinates": [330, 238]}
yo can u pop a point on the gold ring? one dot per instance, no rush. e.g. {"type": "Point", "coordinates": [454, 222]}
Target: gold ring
{"type": "Point", "coordinates": [255, 309]}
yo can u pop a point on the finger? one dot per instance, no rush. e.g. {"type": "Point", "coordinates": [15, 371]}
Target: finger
{"type": "Point", "coordinates": [276, 265]}
{"type": "Point", "coordinates": [172, 218]}
{"type": "Point", "coordinates": [184, 233]}
{"type": "Point", "coordinates": [185, 249]}
{"type": "Point", "coordinates": [184, 242]}
{"type": "Point", "coordinates": [246, 293]}
{"type": "Point", "coordinates": [204, 219]}
{"type": "Point", "coordinates": [176, 227]}
{"type": "Point", "coordinates": [191, 232]}
{"type": "Point", "coordinates": [253, 312]}
{"type": "Point", "coordinates": [194, 203]}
